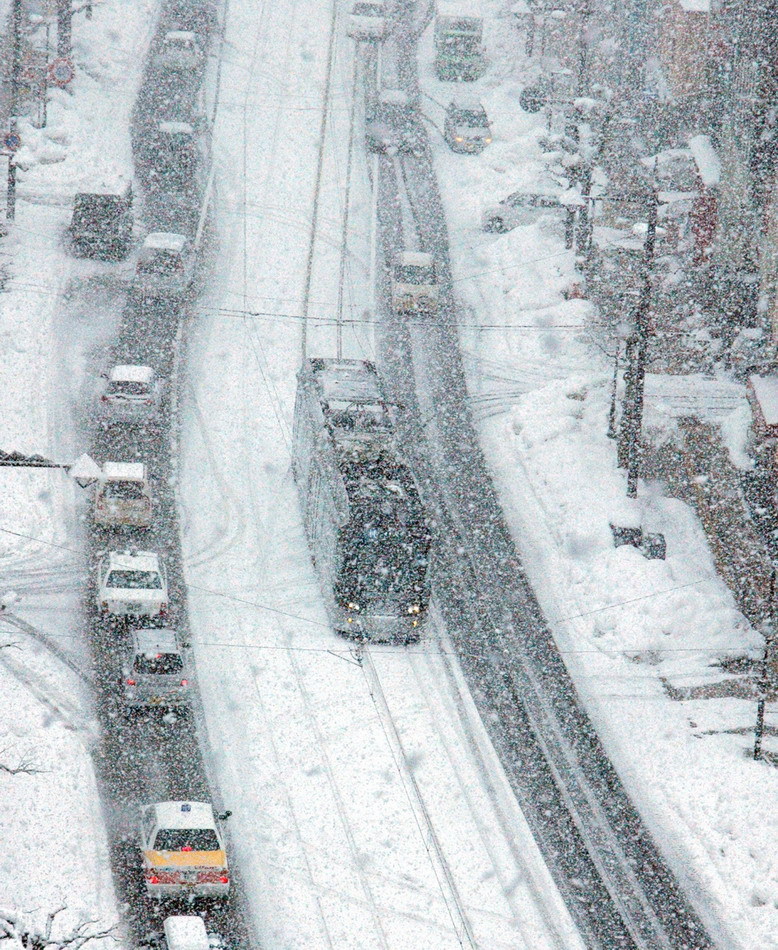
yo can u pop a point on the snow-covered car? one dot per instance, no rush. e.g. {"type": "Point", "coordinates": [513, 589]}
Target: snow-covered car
{"type": "Point", "coordinates": [130, 396]}
{"type": "Point", "coordinates": [392, 124]}
{"type": "Point", "coordinates": [466, 126]}
{"type": "Point", "coordinates": [518, 208]}
{"type": "Point", "coordinates": [123, 496]}
{"type": "Point", "coordinates": [183, 850]}
{"type": "Point", "coordinates": [414, 283]}
{"type": "Point", "coordinates": [180, 50]}
{"type": "Point", "coordinates": [165, 265]}
{"type": "Point", "coordinates": [367, 20]}
{"type": "Point", "coordinates": [185, 933]}
{"type": "Point", "coordinates": [132, 584]}
{"type": "Point", "coordinates": [154, 671]}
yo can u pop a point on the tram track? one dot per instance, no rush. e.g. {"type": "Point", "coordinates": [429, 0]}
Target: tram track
{"type": "Point", "coordinates": [614, 879]}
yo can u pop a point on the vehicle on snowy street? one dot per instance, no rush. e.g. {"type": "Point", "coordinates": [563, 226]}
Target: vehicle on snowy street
{"type": "Point", "coordinates": [132, 584]}
{"type": "Point", "coordinates": [414, 283]}
{"type": "Point", "coordinates": [366, 525]}
{"type": "Point", "coordinates": [123, 496]}
{"type": "Point", "coordinates": [154, 672]}
{"type": "Point", "coordinates": [459, 52]}
{"type": "Point", "coordinates": [183, 850]}
{"type": "Point", "coordinates": [130, 396]}
{"type": "Point", "coordinates": [367, 20]}
{"type": "Point", "coordinates": [518, 208]}
{"type": "Point", "coordinates": [466, 126]}
{"type": "Point", "coordinates": [102, 221]}
{"type": "Point", "coordinates": [185, 933]}
{"type": "Point", "coordinates": [392, 124]}
{"type": "Point", "coordinates": [180, 51]}
{"type": "Point", "coordinates": [179, 157]}
{"type": "Point", "coordinates": [165, 265]}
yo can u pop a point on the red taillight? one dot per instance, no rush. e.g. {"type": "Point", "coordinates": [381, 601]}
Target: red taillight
{"type": "Point", "coordinates": [103, 399]}
{"type": "Point", "coordinates": [153, 879]}
{"type": "Point", "coordinates": [224, 879]}
{"type": "Point", "coordinates": [131, 682]}
{"type": "Point", "coordinates": [187, 847]}
{"type": "Point", "coordinates": [163, 610]}
{"type": "Point", "coordinates": [184, 682]}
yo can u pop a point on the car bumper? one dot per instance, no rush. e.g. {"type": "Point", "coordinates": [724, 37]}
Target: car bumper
{"type": "Point", "coordinates": [155, 702]}
{"type": "Point", "coordinates": [386, 628]}
{"type": "Point", "coordinates": [161, 891]}
{"type": "Point", "coordinates": [123, 610]}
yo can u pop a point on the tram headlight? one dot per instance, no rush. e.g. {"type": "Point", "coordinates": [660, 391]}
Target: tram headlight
{"type": "Point", "coordinates": [414, 609]}
{"type": "Point", "coordinates": [352, 606]}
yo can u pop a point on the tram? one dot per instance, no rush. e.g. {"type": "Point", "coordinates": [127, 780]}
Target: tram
{"type": "Point", "coordinates": [367, 529]}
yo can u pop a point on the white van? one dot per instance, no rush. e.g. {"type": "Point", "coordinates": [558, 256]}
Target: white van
{"type": "Point", "coordinates": [123, 496]}
{"type": "Point", "coordinates": [185, 933]}
{"type": "Point", "coordinates": [414, 283]}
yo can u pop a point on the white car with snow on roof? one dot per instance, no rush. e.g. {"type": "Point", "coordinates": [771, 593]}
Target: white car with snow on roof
{"type": "Point", "coordinates": [130, 395]}
{"type": "Point", "coordinates": [123, 496]}
{"type": "Point", "coordinates": [183, 850]}
{"type": "Point", "coordinates": [132, 584]}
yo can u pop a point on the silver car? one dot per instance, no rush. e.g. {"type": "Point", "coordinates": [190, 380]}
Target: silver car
{"type": "Point", "coordinates": [154, 672]}
{"type": "Point", "coordinates": [466, 127]}
{"type": "Point", "coordinates": [131, 396]}
{"type": "Point", "coordinates": [165, 265]}
{"type": "Point", "coordinates": [519, 208]}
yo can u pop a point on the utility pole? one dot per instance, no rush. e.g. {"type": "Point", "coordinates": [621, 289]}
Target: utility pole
{"type": "Point", "coordinates": [629, 449]}
{"type": "Point", "coordinates": [16, 61]}
{"type": "Point", "coordinates": [64, 28]}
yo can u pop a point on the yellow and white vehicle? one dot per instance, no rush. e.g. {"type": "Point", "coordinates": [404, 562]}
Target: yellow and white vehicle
{"type": "Point", "coordinates": [183, 850]}
{"type": "Point", "coordinates": [123, 496]}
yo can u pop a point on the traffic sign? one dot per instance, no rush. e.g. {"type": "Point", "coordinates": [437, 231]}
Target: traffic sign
{"type": "Point", "coordinates": [12, 141]}
{"type": "Point", "coordinates": [61, 72]}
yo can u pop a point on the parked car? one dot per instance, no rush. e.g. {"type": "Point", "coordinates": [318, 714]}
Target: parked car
{"type": "Point", "coordinates": [132, 584]}
{"type": "Point", "coordinates": [185, 933]}
{"type": "Point", "coordinates": [165, 265]}
{"type": "Point", "coordinates": [518, 208]}
{"type": "Point", "coordinates": [367, 20]}
{"type": "Point", "coordinates": [123, 496]}
{"type": "Point", "coordinates": [102, 221]}
{"type": "Point", "coordinates": [180, 50]}
{"type": "Point", "coordinates": [414, 283]}
{"type": "Point", "coordinates": [183, 850]}
{"type": "Point", "coordinates": [130, 395]}
{"type": "Point", "coordinates": [154, 672]}
{"type": "Point", "coordinates": [392, 124]}
{"type": "Point", "coordinates": [466, 126]}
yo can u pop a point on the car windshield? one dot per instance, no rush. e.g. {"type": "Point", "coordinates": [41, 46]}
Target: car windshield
{"type": "Point", "coordinates": [186, 839]}
{"type": "Point", "coordinates": [471, 117]}
{"type": "Point", "coordinates": [134, 580]}
{"type": "Point", "coordinates": [124, 387]}
{"type": "Point", "coordinates": [125, 491]}
{"type": "Point", "coordinates": [158, 664]}
{"type": "Point", "coordinates": [368, 9]}
{"type": "Point", "coordinates": [162, 262]}
{"type": "Point", "coordinates": [414, 274]}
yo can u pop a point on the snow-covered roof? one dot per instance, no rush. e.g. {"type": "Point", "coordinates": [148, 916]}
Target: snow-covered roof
{"type": "Point", "coordinates": [132, 374]}
{"type": "Point", "coordinates": [164, 241]}
{"type": "Point", "coordinates": [184, 815]}
{"type": "Point", "coordinates": [175, 128]}
{"type": "Point", "coordinates": [155, 640]}
{"type": "Point", "coordinates": [766, 391]}
{"type": "Point", "coordinates": [185, 933]}
{"type": "Point", "coordinates": [124, 471]}
{"type": "Point", "coordinates": [394, 97]}
{"type": "Point", "coordinates": [180, 36]}
{"type": "Point", "coordinates": [706, 159]}
{"type": "Point", "coordinates": [694, 6]}
{"type": "Point", "coordinates": [140, 561]}
{"type": "Point", "coordinates": [467, 101]}
{"type": "Point", "coordinates": [415, 259]}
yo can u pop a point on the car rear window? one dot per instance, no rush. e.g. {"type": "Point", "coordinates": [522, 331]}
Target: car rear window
{"type": "Point", "coordinates": [127, 388]}
{"type": "Point", "coordinates": [158, 664]}
{"type": "Point", "coordinates": [135, 580]}
{"type": "Point", "coordinates": [162, 262]}
{"type": "Point", "coordinates": [368, 9]}
{"type": "Point", "coordinates": [124, 491]}
{"type": "Point", "coordinates": [413, 274]}
{"type": "Point", "coordinates": [186, 839]}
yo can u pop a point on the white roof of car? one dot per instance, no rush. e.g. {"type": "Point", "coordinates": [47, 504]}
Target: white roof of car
{"type": "Point", "coordinates": [164, 241]}
{"type": "Point", "coordinates": [176, 36]}
{"type": "Point", "coordinates": [184, 815]}
{"type": "Point", "coordinates": [415, 259]}
{"type": "Point", "coordinates": [394, 97]}
{"type": "Point", "coordinates": [124, 471]}
{"type": "Point", "coordinates": [185, 933]}
{"type": "Point", "coordinates": [132, 374]}
{"type": "Point", "coordinates": [155, 640]}
{"type": "Point", "coordinates": [176, 128]}
{"type": "Point", "coordinates": [463, 100]}
{"type": "Point", "coordinates": [139, 561]}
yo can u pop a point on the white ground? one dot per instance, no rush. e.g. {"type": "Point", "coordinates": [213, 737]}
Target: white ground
{"type": "Point", "coordinates": [621, 622]}
{"type": "Point", "coordinates": [330, 793]}
{"type": "Point", "coordinates": [56, 315]}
